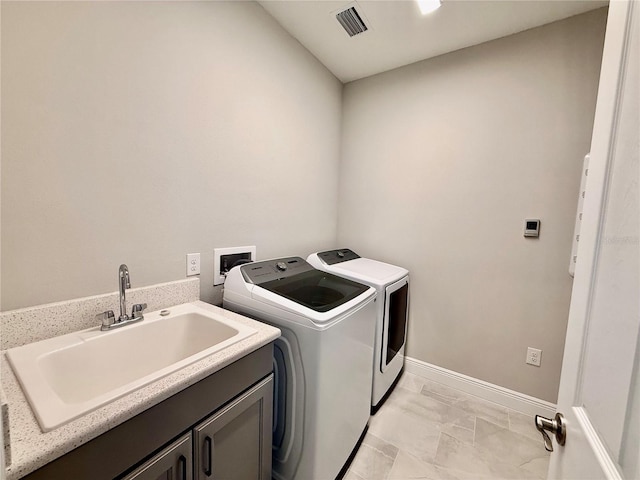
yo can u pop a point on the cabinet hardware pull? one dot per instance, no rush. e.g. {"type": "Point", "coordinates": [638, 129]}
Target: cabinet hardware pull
{"type": "Point", "coordinates": [182, 466]}
{"type": "Point", "coordinates": [208, 454]}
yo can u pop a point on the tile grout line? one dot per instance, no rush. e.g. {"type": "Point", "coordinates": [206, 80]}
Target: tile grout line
{"type": "Point", "coordinates": [475, 418]}
{"type": "Point", "coordinates": [437, 447]}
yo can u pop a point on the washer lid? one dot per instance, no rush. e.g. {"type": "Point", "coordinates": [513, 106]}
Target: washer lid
{"type": "Point", "coordinates": [371, 271]}
{"type": "Point", "coordinates": [296, 280]}
{"type": "Point", "coordinates": [319, 291]}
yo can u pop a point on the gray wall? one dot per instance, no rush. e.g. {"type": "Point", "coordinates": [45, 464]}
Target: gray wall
{"type": "Point", "coordinates": [139, 132]}
{"type": "Point", "coordinates": [441, 163]}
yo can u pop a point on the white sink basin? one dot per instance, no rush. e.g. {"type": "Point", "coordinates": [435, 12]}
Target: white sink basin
{"type": "Point", "coordinates": [67, 376]}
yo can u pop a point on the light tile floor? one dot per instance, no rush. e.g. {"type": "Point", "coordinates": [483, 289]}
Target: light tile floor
{"type": "Point", "coordinates": [426, 430]}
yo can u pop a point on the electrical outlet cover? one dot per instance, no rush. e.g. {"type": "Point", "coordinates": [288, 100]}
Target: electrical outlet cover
{"type": "Point", "coordinates": [193, 264]}
{"type": "Point", "coordinates": [534, 356]}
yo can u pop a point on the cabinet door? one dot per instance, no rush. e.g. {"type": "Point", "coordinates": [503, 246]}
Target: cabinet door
{"type": "Point", "coordinates": [235, 442]}
{"type": "Point", "coordinates": [174, 462]}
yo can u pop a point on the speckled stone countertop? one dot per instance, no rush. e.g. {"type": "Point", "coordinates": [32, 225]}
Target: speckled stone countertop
{"type": "Point", "coordinates": [31, 449]}
{"type": "Point", "coordinates": [32, 324]}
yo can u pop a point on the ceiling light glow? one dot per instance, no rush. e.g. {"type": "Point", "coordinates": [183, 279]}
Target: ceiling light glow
{"type": "Point", "coordinates": [428, 6]}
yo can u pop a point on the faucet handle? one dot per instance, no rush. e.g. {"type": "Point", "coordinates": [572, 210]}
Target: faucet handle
{"type": "Point", "coordinates": [107, 318]}
{"type": "Point", "coordinates": [138, 308]}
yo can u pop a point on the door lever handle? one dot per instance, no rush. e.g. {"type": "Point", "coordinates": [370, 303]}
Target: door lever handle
{"type": "Point", "coordinates": [557, 427]}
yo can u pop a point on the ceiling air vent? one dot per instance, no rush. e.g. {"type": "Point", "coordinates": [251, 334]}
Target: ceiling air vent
{"type": "Point", "coordinates": [351, 21]}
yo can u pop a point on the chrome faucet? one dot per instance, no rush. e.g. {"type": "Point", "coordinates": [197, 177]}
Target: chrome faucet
{"type": "Point", "coordinates": [124, 282]}
{"type": "Point", "coordinates": [108, 318]}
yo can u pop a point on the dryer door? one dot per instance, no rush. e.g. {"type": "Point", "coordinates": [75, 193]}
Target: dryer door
{"type": "Point", "coordinates": [396, 311]}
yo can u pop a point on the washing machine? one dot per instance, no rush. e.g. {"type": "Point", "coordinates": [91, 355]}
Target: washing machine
{"type": "Point", "coordinates": [392, 311]}
{"type": "Point", "coordinates": [322, 361]}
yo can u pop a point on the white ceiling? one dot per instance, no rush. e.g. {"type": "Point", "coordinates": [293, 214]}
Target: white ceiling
{"type": "Point", "coordinates": [399, 35]}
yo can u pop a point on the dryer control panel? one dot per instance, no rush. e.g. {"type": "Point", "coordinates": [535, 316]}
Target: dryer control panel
{"type": "Point", "coordinates": [331, 257]}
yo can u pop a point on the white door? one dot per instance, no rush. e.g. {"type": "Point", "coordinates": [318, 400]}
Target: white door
{"type": "Point", "coordinates": [600, 383]}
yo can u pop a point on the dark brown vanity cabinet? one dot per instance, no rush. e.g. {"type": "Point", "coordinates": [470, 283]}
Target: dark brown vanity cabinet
{"type": "Point", "coordinates": [232, 444]}
{"type": "Point", "coordinates": [218, 428]}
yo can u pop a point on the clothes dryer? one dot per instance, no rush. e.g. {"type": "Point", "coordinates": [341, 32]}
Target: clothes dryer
{"type": "Point", "coordinates": [322, 361]}
{"type": "Point", "coordinates": [392, 311]}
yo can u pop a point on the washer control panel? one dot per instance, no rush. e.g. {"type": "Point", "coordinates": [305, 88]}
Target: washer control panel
{"type": "Point", "coordinates": [331, 257]}
{"type": "Point", "coordinates": [261, 272]}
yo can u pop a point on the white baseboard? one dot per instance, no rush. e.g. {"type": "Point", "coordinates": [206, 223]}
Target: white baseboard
{"type": "Point", "coordinates": [485, 390]}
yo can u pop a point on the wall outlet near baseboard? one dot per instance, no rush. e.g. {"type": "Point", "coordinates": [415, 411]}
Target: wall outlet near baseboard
{"type": "Point", "coordinates": [534, 356]}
